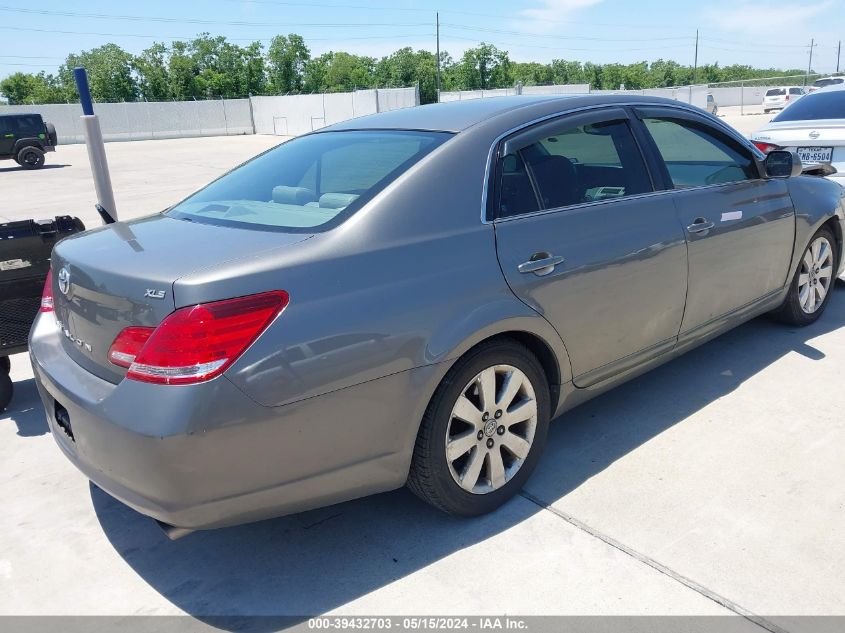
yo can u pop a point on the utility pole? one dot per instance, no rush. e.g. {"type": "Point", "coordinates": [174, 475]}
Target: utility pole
{"type": "Point", "coordinates": [695, 65]}
{"type": "Point", "coordinates": [810, 64]}
{"type": "Point", "coordinates": [838, 51]}
{"type": "Point", "coordinates": [438, 56]}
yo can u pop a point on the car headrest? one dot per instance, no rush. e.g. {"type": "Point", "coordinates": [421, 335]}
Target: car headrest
{"type": "Point", "coordinates": [293, 195]}
{"type": "Point", "coordinates": [337, 200]}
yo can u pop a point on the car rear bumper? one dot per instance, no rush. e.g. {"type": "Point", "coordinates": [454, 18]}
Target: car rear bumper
{"type": "Point", "coordinates": [206, 455]}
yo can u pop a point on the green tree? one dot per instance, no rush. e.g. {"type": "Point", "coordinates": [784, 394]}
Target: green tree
{"type": "Point", "coordinates": [181, 72]}
{"type": "Point", "coordinates": [533, 73]}
{"type": "Point", "coordinates": [110, 74]}
{"type": "Point", "coordinates": [21, 88]}
{"type": "Point", "coordinates": [151, 70]}
{"type": "Point", "coordinates": [287, 58]}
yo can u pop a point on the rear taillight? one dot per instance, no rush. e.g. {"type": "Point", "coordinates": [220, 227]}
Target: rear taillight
{"type": "Point", "coordinates": [47, 293]}
{"type": "Point", "coordinates": [128, 344]}
{"type": "Point", "coordinates": [196, 343]}
{"type": "Point", "coordinates": [765, 147]}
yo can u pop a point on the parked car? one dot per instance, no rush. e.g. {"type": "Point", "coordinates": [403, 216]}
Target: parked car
{"type": "Point", "coordinates": [814, 128]}
{"type": "Point", "coordinates": [712, 106]}
{"type": "Point", "coordinates": [25, 138]}
{"type": "Point", "coordinates": [779, 98]}
{"type": "Point", "coordinates": [824, 82]}
{"type": "Point", "coordinates": [459, 273]}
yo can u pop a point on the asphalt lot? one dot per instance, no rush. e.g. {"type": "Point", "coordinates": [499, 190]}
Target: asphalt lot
{"type": "Point", "coordinates": [711, 486]}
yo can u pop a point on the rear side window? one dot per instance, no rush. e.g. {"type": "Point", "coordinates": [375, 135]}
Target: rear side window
{"type": "Point", "coordinates": [572, 165]}
{"type": "Point", "coordinates": [775, 92]}
{"type": "Point", "coordinates": [697, 156]}
{"type": "Point", "coordinates": [22, 125]}
{"type": "Point", "coordinates": [796, 91]}
{"type": "Point", "coordinates": [816, 105]}
{"type": "Point", "coordinates": [310, 183]}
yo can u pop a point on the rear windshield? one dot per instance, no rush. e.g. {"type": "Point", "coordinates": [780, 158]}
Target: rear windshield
{"type": "Point", "coordinates": [821, 83]}
{"type": "Point", "coordinates": [311, 183]}
{"type": "Point", "coordinates": [775, 92]}
{"type": "Point", "coordinates": [816, 105]}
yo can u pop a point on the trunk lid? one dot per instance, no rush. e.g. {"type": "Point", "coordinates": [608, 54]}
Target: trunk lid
{"type": "Point", "coordinates": [123, 274]}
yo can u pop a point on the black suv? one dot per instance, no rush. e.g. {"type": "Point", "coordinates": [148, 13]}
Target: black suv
{"type": "Point", "coordinates": [25, 137]}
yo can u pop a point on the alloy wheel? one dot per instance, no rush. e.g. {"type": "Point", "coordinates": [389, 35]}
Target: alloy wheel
{"type": "Point", "coordinates": [491, 429]}
{"type": "Point", "coordinates": [816, 275]}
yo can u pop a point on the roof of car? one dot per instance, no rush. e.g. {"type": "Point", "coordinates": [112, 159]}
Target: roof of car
{"type": "Point", "coordinates": [454, 116]}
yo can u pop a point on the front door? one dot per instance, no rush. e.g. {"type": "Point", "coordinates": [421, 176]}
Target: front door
{"type": "Point", "coordinates": [8, 133]}
{"type": "Point", "coordinates": [740, 227]}
{"type": "Point", "coordinates": [583, 239]}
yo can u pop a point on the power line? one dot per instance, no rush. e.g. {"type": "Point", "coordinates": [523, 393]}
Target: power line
{"type": "Point", "coordinates": [481, 29]}
{"type": "Point", "coordinates": [158, 36]}
{"type": "Point", "coordinates": [141, 18]}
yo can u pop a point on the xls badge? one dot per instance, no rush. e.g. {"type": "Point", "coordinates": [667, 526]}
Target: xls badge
{"type": "Point", "coordinates": [152, 293]}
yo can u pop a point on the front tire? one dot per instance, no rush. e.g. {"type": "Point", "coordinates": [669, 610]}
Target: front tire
{"type": "Point", "coordinates": [812, 284]}
{"type": "Point", "coordinates": [483, 431]}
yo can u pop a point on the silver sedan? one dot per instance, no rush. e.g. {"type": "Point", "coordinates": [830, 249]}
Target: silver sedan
{"type": "Point", "coordinates": [814, 128]}
{"type": "Point", "coordinates": [410, 298]}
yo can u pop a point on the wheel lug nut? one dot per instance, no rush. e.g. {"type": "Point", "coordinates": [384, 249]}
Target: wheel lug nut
{"type": "Point", "coordinates": [500, 430]}
{"type": "Point", "coordinates": [480, 435]}
{"type": "Point", "coordinates": [489, 442]}
{"type": "Point", "coordinates": [498, 413]}
{"type": "Point", "coordinates": [485, 417]}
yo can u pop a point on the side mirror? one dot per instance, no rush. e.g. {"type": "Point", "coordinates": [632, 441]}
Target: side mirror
{"type": "Point", "coordinates": [782, 164]}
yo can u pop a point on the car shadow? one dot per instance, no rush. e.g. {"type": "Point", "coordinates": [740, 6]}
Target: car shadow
{"type": "Point", "coordinates": [43, 167]}
{"type": "Point", "coordinates": [25, 410]}
{"type": "Point", "coordinates": [313, 562]}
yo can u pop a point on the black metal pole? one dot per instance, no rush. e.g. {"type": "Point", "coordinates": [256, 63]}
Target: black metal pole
{"type": "Point", "coordinates": [438, 56]}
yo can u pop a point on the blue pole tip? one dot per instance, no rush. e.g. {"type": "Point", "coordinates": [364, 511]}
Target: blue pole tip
{"type": "Point", "coordinates": [81, 78]}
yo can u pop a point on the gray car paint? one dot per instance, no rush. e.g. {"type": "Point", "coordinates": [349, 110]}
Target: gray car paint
{"type": "Point", "coordinates": [325, 406]}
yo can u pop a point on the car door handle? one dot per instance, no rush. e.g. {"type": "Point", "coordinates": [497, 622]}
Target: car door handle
{"type": "Point", "coordinates": [540, 264]}
{"type": "Point", "coordinates": [700, 225]}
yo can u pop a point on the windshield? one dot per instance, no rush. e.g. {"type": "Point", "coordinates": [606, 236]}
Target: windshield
{"type": "Point", "coordinates": [310, 183]}
{"type": "Point", "coordinates": [818, 105]}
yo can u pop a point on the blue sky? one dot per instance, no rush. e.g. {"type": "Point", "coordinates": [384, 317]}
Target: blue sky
{"type": "Point", "coordinates": [36, 37]}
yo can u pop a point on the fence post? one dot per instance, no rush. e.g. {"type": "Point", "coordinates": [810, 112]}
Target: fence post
{"type": "Point", "coordinates": [225, 119]}
{"type": "Point", "coordinates": [251, 113]}
{"type": "Point", "coordinates": [741, 98]}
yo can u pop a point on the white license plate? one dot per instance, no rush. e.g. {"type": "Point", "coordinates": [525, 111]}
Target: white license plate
{"type": "Point", "coordinates": [815, 154]}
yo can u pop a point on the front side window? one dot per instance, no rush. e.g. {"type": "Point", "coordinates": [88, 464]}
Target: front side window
{"type": "Point", "coordinates": [572, 165]}
{"type": "Point", "coordinates": [309, 183]}
{"type": "Point", "coordinates": [697, 156]}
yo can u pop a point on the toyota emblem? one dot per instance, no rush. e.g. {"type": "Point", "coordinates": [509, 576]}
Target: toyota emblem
{"type": "Point", "coordinates": [814, 134]}
{"type": "Point", "coordinates": [64, 281]}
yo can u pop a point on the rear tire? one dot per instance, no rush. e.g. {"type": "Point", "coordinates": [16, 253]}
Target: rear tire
{"type": "Point", "coordinates": [809, 292]}
{"type": "Point", "coordinates": [472, 466]}
{"type": "Point", "coordinates": [31, 158]}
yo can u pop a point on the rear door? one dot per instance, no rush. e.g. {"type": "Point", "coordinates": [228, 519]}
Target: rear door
{"type": "Point", "coordinates": [739, 227]}
{"type": "Point", "coordinates": [584, 240]}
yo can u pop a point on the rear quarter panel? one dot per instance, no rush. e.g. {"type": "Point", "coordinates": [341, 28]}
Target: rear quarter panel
{"type": "Point", "coordinates": [817, 200]}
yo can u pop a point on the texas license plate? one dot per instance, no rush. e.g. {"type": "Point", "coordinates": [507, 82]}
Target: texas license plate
{"type": "Point", "coordinates": [815, 154]}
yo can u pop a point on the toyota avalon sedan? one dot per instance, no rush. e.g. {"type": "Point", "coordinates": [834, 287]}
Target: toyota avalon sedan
{"type": "Point", "coordinates": [814, 128]}
{"type": "Point", "coordinates": [409, 298]}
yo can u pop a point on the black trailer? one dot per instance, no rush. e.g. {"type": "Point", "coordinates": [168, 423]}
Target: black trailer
{"type": "Point", "coordinates": [25, 249]}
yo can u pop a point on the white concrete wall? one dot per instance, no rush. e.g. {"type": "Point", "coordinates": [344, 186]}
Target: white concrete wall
{"type": "Point", "coordinates": [697, 95]}
{"type": "Point", "coordinates": [300, 114]}
{"type": "Point", "coordinates": [147, 120]}
{"type": "Point", "coordinates": [288, 115]}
